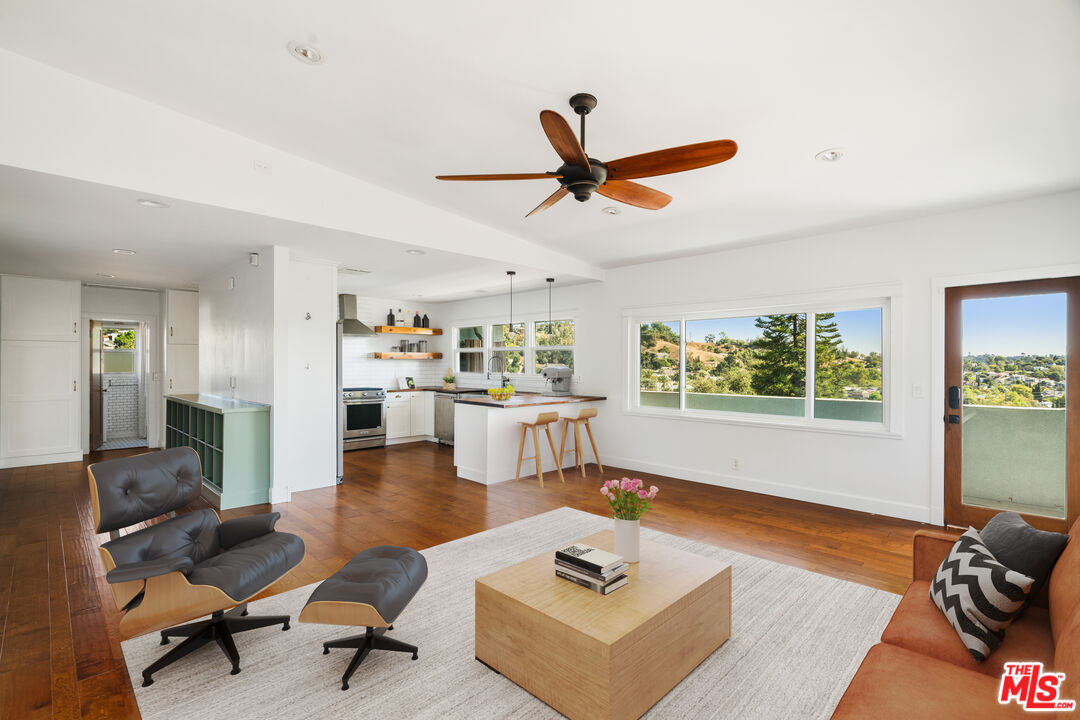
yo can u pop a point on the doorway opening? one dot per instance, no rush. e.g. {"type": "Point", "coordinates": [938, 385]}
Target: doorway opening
{"type": "Point", "coordinates": [118, 363]}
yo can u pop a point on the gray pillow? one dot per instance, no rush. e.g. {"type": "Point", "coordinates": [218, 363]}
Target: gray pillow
{"type": "Point", "coordinates": [1022, 548]}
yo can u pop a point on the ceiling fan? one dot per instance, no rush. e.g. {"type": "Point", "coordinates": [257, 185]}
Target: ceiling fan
{"type": "Point", "coordinates": [581, 175]}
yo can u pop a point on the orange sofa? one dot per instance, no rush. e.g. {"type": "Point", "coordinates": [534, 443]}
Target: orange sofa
{"type": "Point", "coordinates": [921, 669]}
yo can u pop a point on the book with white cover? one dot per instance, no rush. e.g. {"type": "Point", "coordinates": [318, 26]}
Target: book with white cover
{"type": "Point", "coordinates": [590, 558]}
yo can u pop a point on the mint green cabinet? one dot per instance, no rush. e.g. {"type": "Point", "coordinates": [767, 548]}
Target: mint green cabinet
{"type": "Point", "coordinates": [232, 438]}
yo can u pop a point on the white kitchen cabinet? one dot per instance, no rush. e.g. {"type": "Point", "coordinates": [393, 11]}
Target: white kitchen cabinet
{"type": "Point", "coordinates": [39, 403]}
{"type": "Point", "coordinates": [182, 309]}
{"type": "Point", "coordinates": [398, 415]}
{"type": "Point", "coordinates": [429, 413]}
{"type": "Point", "coordinates": [39, 309]}
{"type": "Point", "coordinates": [181, 369]}
{"type": "Point", "coordinates": [416, 413]}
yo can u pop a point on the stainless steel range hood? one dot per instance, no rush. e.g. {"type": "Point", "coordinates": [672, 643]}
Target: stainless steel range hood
{"type": "Point", "coordinates": [347, 316]}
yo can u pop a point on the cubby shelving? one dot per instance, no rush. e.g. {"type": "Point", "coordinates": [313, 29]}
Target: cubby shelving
{"type": "Point", "coordinates": [232, 439]}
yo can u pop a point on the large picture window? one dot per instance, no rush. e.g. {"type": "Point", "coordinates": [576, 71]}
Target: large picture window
{"type": "Point", "coordinates": [818, 364]}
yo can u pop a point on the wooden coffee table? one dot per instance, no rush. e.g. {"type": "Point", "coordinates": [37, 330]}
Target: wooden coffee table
{"type": "Point", "coordinates": [603, 656]}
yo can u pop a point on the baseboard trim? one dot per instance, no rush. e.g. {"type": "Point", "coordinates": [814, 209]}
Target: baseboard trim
{"type": "Point", "coordinates": [861, 503]}
{"type": "Point", "coordinates": [52, 458]}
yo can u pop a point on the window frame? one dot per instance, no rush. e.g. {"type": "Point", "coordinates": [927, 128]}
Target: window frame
{"type": "Point", "coordinates": [888, 299]}
{"type": "Point", "coordinates": [458, 350]}
{"type": "Point", "coordinates": [528, 349]}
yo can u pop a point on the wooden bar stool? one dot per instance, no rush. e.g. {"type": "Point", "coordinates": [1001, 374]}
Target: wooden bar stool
{"type": "Point", "coordinates": [579, 460]}
{"type": "Point", "coordinates": [542, 420]}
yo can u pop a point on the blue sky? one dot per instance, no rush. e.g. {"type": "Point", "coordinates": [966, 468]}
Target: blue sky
{"type": "Point", "coordinates": [860, 329]}
{"type": "Point", "coordinates": [1032, 324]}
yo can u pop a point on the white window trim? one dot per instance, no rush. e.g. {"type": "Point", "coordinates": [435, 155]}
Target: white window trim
{"type": "Point", "coordinates": [889, 298]}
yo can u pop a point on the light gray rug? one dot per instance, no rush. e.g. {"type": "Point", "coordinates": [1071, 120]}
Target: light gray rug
{"type": "Point", "coordinates": [797, 639]}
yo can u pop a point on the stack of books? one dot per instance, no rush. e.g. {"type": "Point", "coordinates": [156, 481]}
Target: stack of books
{"type": "Point", "coordinates": [590, 567]}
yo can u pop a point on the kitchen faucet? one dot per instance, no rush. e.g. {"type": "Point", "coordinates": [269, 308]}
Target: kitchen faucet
{"type": "Point", "coordinates": [503, 379]}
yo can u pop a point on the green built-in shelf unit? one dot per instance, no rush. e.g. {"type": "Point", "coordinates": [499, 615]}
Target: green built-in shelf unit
{"type": "Point", "coordinates": [232, 438]}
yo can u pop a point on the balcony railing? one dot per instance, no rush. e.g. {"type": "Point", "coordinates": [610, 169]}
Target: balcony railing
{"type": "Point", "coordinates": [829, 409]}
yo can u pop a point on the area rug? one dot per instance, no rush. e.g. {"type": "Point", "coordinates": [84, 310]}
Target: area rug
{"type": "Point", "coordinates": [797, 639]}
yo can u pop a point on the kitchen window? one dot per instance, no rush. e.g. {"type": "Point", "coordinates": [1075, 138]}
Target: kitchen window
{"type": "Point", "coordinates": [470, 348]}
{"type": "Point", "coordinates": [509, 362]}
{"type": "Point", "coordinates": [818, 365]}
{"type": "Point", "coordinates": [554, 344]}
{"type": "Point", "coordinates": [524, 348]}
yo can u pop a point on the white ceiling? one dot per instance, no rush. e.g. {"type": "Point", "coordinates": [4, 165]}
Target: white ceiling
{"type": "Point", "coordinates": [64, 228]}
{"type": "Point", "coordinates": [936, 105]}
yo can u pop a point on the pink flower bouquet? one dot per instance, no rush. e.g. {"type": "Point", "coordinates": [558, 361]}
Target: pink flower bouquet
{"type": "Point", "coordinates": [628, 498]}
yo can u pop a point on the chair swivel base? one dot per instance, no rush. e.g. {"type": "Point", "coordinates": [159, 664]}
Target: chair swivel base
{"type": "Point", "coordinates": [219, 628]}
{"type": "Point", "coordinates": [373, 639]}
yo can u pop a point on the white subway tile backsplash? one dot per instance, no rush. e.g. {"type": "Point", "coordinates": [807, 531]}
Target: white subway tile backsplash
{"type": "Point", "coordinates": [360, 369]}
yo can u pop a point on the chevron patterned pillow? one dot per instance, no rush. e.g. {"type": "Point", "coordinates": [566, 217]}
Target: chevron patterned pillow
{"type": "Point", "coordinates": [978, 595]}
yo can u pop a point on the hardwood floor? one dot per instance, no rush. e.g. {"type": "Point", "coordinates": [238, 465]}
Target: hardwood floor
{"type": "Point", "coordinates": [59, 645]}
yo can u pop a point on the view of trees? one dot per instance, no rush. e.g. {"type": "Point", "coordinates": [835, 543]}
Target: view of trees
{"type": "Point", "coordinates": [1015, 380]}
{"type": "Point", "coordinates": [772, 364]}
{"type": "Point", "coordinates": [117, 339]}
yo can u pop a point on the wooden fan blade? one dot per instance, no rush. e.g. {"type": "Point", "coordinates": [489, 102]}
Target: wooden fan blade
{"type": "Point", "coordinates": [672, 160]}
{"type": "Point", "coordinates": [633, 194]}
{"type": "Point", "coordinates": [552, 199]}
{"type": "Point", "coordinates": [505, 176]}
{"type": "Point", "coordinates": [562, 138]}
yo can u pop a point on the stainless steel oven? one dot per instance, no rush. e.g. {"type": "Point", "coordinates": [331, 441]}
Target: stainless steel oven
{"type": "Point", "coordinates": [362, 416]}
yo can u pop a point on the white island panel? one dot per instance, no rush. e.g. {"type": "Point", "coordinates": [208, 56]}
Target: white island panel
{"type": "Point", "coordinates": [486, 440]}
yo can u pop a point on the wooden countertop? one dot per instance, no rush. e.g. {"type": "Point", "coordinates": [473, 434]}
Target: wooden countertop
{"type": "Point", "coordinates": [436, 388]}
{"type": "Point", "coordinates": [530, 400]}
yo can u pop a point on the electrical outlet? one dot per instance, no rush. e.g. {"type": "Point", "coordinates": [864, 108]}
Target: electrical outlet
{"type": "Point", "coordinates": [734, 463]}
{"type": "Point", "coordinates": [917, 391]}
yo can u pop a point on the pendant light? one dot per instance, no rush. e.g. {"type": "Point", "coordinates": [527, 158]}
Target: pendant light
{"type": "Point", "coordinates": [551, 326]}
{"type": "Point", "coordinates": [510, 328]}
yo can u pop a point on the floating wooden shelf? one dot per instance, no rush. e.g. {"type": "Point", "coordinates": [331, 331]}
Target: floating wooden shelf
{"type": "Point", "coordinates": [407, 356]}
{"type": "Point", "coordinates": [394, 330]}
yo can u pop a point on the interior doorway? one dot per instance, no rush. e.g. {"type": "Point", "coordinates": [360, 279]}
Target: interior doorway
{"type": "Point", "coordinates": [1012, 402]}
{"type": "Point", "coordinates": [118, 368]}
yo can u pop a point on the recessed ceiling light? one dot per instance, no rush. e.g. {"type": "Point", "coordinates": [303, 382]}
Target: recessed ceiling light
{"type": "Point", "coordinates": [416, 252]}
{"type": "Point", "coordinates": [830, 155]}
{"type": "Point", "coordinates": [612, 210]}
{"type": "Point", "coordinates": [306, 53]}
{"type": "Point", "coordinates": [123, 251]}
{"type": "Point", "coordinates": [147, 202]}
{"type": "Point", "coordinates": [104, 275]}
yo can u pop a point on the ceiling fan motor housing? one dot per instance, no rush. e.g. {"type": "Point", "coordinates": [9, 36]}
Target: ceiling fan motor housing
{"type": "Point", "coordinates": [580, 182]}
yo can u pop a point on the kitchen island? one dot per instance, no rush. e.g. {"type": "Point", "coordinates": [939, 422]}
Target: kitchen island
{"type": "Point", "coordinates": [487, 433]}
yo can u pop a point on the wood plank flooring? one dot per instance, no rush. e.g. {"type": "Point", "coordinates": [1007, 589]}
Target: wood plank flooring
{"type": "Point", "coordinates": [59, 645]}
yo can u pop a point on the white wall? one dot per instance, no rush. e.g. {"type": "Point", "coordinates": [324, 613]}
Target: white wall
{"type": "Point", "coordinates": [887, 475]}
{"type": "Point", "coordinates": [360, 369]}
{"type": "Point", "coordinates": [258, 333]}
{"type": "Point", "coordinates": [312, 375]}
{"type": "Point", "coordinates": [236, 331]}
{"type": "Point", "coordinates": [99, 303]}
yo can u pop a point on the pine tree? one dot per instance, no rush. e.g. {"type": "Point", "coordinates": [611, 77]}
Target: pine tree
{"type": "Point", "coordinates": [780, 369]}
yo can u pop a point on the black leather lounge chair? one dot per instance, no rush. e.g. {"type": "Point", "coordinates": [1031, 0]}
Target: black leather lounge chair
{"type": "Point", "coordinates": [186, 566]}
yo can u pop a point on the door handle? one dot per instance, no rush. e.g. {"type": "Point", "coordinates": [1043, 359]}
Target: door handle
{"type": "Point", "coordinates": [952, 419]}
{"type": "Point", "coordinates": [954, 397]}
